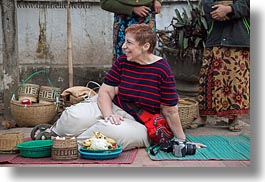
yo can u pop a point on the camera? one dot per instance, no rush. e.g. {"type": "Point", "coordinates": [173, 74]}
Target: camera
{"type": "Point", "coordinates": [179, 148]}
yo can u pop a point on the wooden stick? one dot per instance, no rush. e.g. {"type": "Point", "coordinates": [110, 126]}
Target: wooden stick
{"type": "Point", "coordinates": [69, 46]}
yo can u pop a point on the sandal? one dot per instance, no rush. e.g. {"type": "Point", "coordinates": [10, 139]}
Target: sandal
{"type": "Point", "coordinates": [45, 135]}
{"type": "Point", "coordinates": [40, 128]}
{"type": "Point", "coordinates": [235, 127]}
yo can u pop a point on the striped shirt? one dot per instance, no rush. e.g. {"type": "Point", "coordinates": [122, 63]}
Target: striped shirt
{"type": "Point", "coordinates": [147, 86]}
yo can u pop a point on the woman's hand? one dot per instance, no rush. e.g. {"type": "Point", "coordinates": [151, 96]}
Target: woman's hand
{"type": "Point", "coordinates": [141, 10]}
{"type": "Point", "coordinates": [114, 119]}
{"type": "Point", "coordinates": [198, 145]}
{"type": "Point", "coordinates": [220, 12]}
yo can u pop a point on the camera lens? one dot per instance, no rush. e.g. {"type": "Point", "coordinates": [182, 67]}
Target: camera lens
{"type": "Point", "coordinates": [191, 149]}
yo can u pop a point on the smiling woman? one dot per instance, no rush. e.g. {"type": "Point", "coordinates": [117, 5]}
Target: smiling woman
{"type": "Point", "coordinates": [139, 44]}
{"type": "Point", "coordinates": [137, 80]}
{"type": "Point", "coordinates": [143, 79]}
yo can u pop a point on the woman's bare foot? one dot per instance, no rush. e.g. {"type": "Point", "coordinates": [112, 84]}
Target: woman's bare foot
{"type": "Point", "coordinates": [234, 124]}
{"type": "Point", "coordinates": [198, 122]}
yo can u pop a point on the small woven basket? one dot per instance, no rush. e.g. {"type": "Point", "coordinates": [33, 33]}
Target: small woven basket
{"type": "Point", "coordinates": [188, 111]}
{"type": "Point", "coordinates": [65, 148]}
{"type": "Point", "coordinates": [28, 91]}
{"type": "Point", "coordinates": [48, 94]}
{"type": "Point", "coordinates": [8, 142]}
{"type": "Point", "coordinates": [33, 114]}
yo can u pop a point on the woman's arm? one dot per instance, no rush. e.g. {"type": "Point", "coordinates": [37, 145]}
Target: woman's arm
{"type": "Point", "coordinates": [130, 7]}
{"type": "Point", "coordinates": [171, 115]}
{"type": "Point", "coordinates": [105, 96]}
{"type": "Point", "coordinates": [115, 6]}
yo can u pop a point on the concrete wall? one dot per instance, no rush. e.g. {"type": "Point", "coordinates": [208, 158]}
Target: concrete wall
{"type": "Point", "coordinates": [1, 41]}
{"type": "Point", "coordinates": [42, 39]}
{"type": "Point", "coordinates": [1, 59]}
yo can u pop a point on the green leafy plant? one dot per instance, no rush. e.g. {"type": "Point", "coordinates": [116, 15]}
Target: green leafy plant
{"type": "Point", "coordinates": [186, 31]}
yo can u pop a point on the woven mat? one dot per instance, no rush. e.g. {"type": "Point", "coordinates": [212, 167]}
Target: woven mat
{"type": "Point", "coordinates": [126, 157]}
{"type": "Point", "coordinates": [5, 158]}
{"type": "Point", "coordinates": [218, 148]}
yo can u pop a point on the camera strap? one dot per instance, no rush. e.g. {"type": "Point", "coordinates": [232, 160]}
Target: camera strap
{"type": "Point", "coordinates": [155, 149]}
{"type": "Point", "coordinates": [157, 128]}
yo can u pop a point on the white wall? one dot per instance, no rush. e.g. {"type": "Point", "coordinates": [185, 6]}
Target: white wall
{"type": "Point", "coordinates": [91, 33]}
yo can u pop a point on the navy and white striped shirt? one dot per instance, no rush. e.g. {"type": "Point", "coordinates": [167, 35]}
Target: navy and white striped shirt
{"type": "Point", "coordinates": [147, 86]}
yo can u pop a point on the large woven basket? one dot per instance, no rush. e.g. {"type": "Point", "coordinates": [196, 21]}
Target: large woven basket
{"type": "Point", "coordinates": [33, 114]}
{"type": "Point", "coordinates": [65, 148]}
{"type": "Point", "coordinates": [8, 141]}
{"type": "Point", "coordinates": [188, 111]}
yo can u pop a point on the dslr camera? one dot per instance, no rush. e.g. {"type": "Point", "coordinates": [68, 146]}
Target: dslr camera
{"type": "Point", "coordinates": [179, 148]}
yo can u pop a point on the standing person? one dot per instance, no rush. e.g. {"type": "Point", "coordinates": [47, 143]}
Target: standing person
{"type": "Point", "coordinates": [225, 73]}
{"type": "Point", "coordinates": [140, 78]}
{"type": "Point", "coordinates": [126, 13]}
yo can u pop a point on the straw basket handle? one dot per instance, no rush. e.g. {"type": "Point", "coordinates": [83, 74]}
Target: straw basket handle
{"type": "Point", "coordinates": [96, 85]}
{"type": "Point", "coordinates": [32, 75]}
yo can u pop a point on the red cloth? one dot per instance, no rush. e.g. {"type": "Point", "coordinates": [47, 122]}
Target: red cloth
{"type": "Point", "coordinates": [157, 127]}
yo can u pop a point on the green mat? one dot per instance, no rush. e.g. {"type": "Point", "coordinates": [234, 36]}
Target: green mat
{"type": "Point", "coordinates": [218, 148]}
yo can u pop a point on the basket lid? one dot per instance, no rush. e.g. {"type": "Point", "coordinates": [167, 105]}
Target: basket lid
{"type": "Point", "coordinates": [35, 144]}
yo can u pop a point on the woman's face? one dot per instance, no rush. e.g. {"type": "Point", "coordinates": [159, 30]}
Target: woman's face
{"type": "Point", "coordinates": [131, 48]}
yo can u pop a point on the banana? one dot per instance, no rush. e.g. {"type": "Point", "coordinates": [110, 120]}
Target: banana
{"type": "Point", "coordinates": [110, 140]}
{"type": "Point", "coordinates": [87, 143]}
{"type": "Point", "coordinates": [99, 135]}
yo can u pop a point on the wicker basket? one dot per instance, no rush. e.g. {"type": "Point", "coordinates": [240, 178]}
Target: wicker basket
{"type": "Point", "coordinates": [28, 91]}
{"type": "Point", "coordinates": [188, 111]}
{"type": "Point", "coordinates": [33, 114]}
{"type": "Point", "coordinates": [65, 149]}
{"type": "Point", "coordinates": [48, 94]}
{"type": "Point", "coordinates": [8, 142]}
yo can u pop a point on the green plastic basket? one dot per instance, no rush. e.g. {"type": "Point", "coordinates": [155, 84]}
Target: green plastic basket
{"type": "Point", "coordinates": [35, 148]}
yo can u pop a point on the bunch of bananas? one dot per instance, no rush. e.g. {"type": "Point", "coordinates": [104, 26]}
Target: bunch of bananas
{"type": "Point", "coordinates": [88, 143]}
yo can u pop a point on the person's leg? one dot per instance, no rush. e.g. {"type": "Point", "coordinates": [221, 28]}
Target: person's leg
{"type": "Point", "coordinates": [76, 119]}
{"type": "Point", "coordinates": [130, 134]}
{"type": "Point", "coordinates": [234, 124]}
{"type": "Point", "coordinates": [73, 121]}
{"type": "Point", "coordinates": [231, 93]}
{"type": "Point", "coordinates": [204, 94]}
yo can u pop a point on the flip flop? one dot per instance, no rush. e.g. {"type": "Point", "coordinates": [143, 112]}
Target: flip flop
{"type": "Point", "coordinates": [235, 127]}
{"type": "Point", "coordinates": [47, 135]}
{"type": "Point", "coordinates": [40, 128]}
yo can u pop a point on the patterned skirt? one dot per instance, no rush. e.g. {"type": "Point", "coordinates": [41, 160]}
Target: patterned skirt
{"type": "Point", "coordinates": [224, 82]}
{"type": "Point", "coordinates": [121, 22]}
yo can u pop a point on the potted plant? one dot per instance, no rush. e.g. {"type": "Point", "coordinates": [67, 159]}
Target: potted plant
{"type": "Point", "coordinates": [182, 44]}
